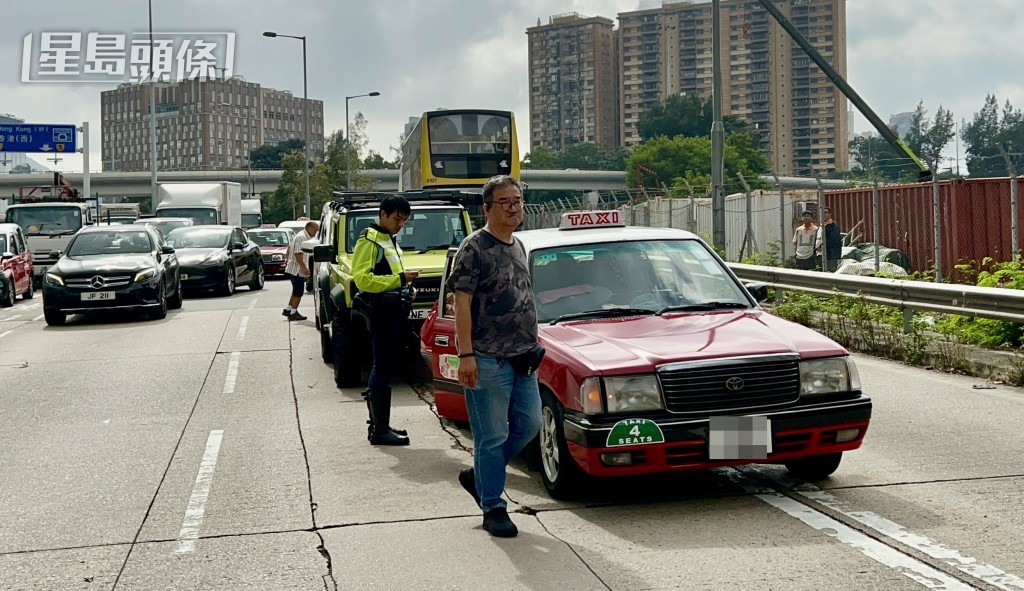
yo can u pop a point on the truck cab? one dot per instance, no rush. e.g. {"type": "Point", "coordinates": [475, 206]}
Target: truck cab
{"type": "Point", "coordinates": [252, 213]}
{"type": "Point", "coordinates": [209, 204]}
{"type": "Point", "coordinates": [48, 227]}
{"type": "Point", "coordinates": [120, 213]}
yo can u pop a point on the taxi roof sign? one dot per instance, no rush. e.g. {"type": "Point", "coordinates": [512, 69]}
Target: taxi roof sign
{"type": "Point", "coordinates": [579, 220]}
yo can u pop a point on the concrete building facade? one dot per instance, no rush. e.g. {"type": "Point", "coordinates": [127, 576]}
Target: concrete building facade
{"type": "Point", "coordinates": [202, 124]}
{"type": "Point", "coordinates": [768, 81]}
{"type": "Point", "coordinates": [573, 83]}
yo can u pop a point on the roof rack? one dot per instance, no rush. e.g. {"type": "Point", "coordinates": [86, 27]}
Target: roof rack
{"type": "Point", "coordinates": [368, 198]}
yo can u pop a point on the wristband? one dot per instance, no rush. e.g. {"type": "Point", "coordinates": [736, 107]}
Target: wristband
{"type": "Point", "coordinates": [465, 355]}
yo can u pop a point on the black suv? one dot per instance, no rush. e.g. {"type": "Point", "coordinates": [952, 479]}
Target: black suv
{"type": "Point", "coordinates": [122, 268]}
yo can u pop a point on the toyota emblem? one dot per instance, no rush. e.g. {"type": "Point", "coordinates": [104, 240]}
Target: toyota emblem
{"type": "Point", "coordinates": [734, 384]}
{"type": "Point", "coordinates": [97, 282]}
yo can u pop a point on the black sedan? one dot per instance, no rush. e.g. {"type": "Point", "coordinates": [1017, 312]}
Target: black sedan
{"type": "Point", "coordinates": [217, 257]}
{"type": "Point", "coordinates": [123, 268]}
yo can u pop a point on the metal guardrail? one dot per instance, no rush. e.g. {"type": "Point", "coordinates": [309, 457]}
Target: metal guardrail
{"type": "Point", "coordinates": [944, 298]}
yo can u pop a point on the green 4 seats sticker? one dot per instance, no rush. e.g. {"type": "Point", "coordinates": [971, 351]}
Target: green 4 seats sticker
{"type": "Point", "coordinates": [634, 432]}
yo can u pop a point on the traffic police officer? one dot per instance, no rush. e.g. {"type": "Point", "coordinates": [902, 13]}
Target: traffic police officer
{"type": "Point", "coordinates": [384, 297]}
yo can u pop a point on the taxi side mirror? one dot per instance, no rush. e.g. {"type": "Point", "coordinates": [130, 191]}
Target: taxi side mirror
{"type": "Point", "coordinates": [323, 253]}
{"type": "Point", "coordinates": [758, 291]}
{"type": "Point", "coordinates": [166, 249]}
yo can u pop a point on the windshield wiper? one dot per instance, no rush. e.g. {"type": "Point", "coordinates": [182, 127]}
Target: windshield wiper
{"type": "Point", "coordinates": [603, 313]}
{"type": "Point", "coordinates": [703, 307]}
{"type": "Point", "coordinates": [445, 246]}
{"type": "Point", "coordinates": [63, 233]}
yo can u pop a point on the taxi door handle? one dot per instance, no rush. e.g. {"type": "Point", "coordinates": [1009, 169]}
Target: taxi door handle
{"type": "Point", "coordinates": [441, 340]}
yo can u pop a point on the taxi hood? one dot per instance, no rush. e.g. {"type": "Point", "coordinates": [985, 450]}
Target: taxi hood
{"type": "Point", "coordinates": [640, 344]}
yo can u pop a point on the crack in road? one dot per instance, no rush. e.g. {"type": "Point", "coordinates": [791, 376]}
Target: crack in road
{"type": "Point", "coordinates": [330, 582]}
{"type": "Point", "coordinates": [167, 468]}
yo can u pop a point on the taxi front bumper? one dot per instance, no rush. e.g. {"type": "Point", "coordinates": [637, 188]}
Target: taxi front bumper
{"type": "Point", "coordinates": [803, 431]}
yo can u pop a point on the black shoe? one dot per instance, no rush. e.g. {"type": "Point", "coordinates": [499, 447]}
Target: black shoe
{"type": "Point", "coordinates": [467, 478]}
{"type": "Point", "coordinates": [369, 430]}
{"type": "Point", "coordinates": [296, 316]}
{"type": "Point", "coordinates": [388, 438]}
{"type": "Point", "coordinates": [497, 523]}
{"type": "Point", "coordinates": [285, 312]}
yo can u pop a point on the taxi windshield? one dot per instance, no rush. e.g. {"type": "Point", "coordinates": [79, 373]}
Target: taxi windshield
{"type": "Point", "coordinates": [645, 276]}
{"type": "Point", "coordinates": [273, 238]}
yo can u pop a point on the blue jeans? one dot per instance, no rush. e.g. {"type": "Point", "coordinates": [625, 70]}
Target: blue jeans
{"type": "Point", "coordinates": [504, 413]}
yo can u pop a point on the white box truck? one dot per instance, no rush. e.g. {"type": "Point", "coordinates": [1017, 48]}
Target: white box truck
{"type": "Point", "coordinates": [217, 203]}
{"type": "Point", "coordinates": [252, 213]}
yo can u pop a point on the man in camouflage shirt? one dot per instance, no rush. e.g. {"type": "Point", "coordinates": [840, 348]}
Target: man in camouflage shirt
{"type": "Point", "coordinates": [495, 320]}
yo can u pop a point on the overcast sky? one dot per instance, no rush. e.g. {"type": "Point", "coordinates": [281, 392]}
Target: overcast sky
{"type": "Point", "coordinates": [426, 54]}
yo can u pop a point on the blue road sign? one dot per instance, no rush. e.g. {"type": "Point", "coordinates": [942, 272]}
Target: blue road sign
{"type": "Point", "coordinates": [33, 137]}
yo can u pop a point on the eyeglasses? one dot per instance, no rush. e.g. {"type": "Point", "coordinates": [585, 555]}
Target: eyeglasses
{"type": "Point", "coordinates": [509, 205]}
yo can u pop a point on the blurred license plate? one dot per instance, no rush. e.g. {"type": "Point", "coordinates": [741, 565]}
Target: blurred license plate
{"type": "Point", "coordinates": [418, 314]}
{"type": "Point", "coordinates": [97, 295]}
{"type": "Point", "coordinates": [739, 438]}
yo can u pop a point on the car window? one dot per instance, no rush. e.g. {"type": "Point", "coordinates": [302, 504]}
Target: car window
{"type": "Point", "coordinates": [648, 275]}
{"type": "Point", "coordinates": [3, 244]}
{"type": "Point", "coordinates": [102, 243]}
{"type": "Point", "coordinates": [198, 238]}
{"type": "Point", "coordinates": [20, 240]}
{"type": "Point", "coordinates": [270, 238]}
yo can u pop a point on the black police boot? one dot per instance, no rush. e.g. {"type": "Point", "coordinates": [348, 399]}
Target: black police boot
{"type": "Point", "coordinates": [369, 421]}
{"type": "Point", "coordinates": [380, 407]}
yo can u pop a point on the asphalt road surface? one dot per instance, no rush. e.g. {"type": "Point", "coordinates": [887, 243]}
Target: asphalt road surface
{"type": "Point", "coordinates": [211, 450]}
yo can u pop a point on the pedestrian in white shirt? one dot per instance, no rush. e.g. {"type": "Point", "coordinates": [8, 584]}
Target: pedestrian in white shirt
{"type": "Point", "coordinates": [807, 240]}
{"type": "Point", "coordinates": [296, 269]}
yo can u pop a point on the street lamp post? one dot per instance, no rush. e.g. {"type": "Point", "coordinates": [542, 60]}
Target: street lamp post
{"type": "Point", "coordinates": [348, 140]}
{"type": "Point", "coordinates": [152, 112]}
{"type": "Point", "coordinates": [305, 111]}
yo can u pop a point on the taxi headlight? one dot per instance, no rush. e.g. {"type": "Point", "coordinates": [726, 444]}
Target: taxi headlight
{"type": "Point", "coordinates": [277, 257]}
{"type": "Point", "coordinates": [145, 274]}
{"type": "Point", "coordinates": [632, 393]}
{"type": "Point", "coordinates": [54, 279]}
{"type": "Point", "coordinates": [828, 376]}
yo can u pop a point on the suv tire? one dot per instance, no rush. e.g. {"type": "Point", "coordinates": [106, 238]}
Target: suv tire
{"type": "Point", "coordinates": [345, 353]}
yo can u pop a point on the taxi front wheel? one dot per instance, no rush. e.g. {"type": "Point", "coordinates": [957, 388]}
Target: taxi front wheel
{"type": "Point", "coordinates": [815, 468]}
{"type": "Point", "coordinates": [562, 477]}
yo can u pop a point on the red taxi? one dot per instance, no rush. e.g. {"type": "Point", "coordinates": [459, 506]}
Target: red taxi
{"type": "Point", "coordinates": [273, 243]}
{"type": "Point", "coordinates": [16, 267]}
{"type": "Point", "coordinates": [659, 359]}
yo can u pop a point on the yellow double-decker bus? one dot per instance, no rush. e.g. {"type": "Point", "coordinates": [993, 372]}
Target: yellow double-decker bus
{"type": "Point", "coordinates": [459, 148]}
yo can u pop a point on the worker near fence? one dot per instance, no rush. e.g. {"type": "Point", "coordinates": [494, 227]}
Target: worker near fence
{"type": "Point", "coordinates": [807, 240]}
{"type": "Point", "coordinates": [385, 298]}
{"type": "Point", "coordinates": [833, 241]}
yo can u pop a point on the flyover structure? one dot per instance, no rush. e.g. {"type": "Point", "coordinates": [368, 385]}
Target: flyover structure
{"type": "Point", "coordinates": [137, 184]}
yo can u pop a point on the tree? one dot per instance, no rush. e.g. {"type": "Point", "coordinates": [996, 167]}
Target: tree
{"type": "Point", "coordinates": [584, 156]}
{"type": "Point", "coordinates": [21, 169]}
{"type": "Point", "coordinates": [681, 160]}
{"type": "Point", "coordinates": [991, 134]}
{"type": "Point", "coordinates": [929, 139]}
{"type": "Point", "coordinates": [685, 115]}
{"type": "Point", "coordinates": [375, 161]}
{"type": "Point", "coordinates": [271, 157]}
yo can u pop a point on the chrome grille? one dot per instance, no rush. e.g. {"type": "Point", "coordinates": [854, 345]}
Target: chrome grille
{"type": "Point", "coordinates": [98, 282]}
{"type": "Point", "coordinates": [726, 385]}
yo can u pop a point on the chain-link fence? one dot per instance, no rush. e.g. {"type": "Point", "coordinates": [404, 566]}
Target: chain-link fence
{"type": "Point", "coordinates": [897, 224]}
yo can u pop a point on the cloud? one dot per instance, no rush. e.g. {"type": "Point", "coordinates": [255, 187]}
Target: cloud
{"type": "Point", "coordinates": [425, 54]}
